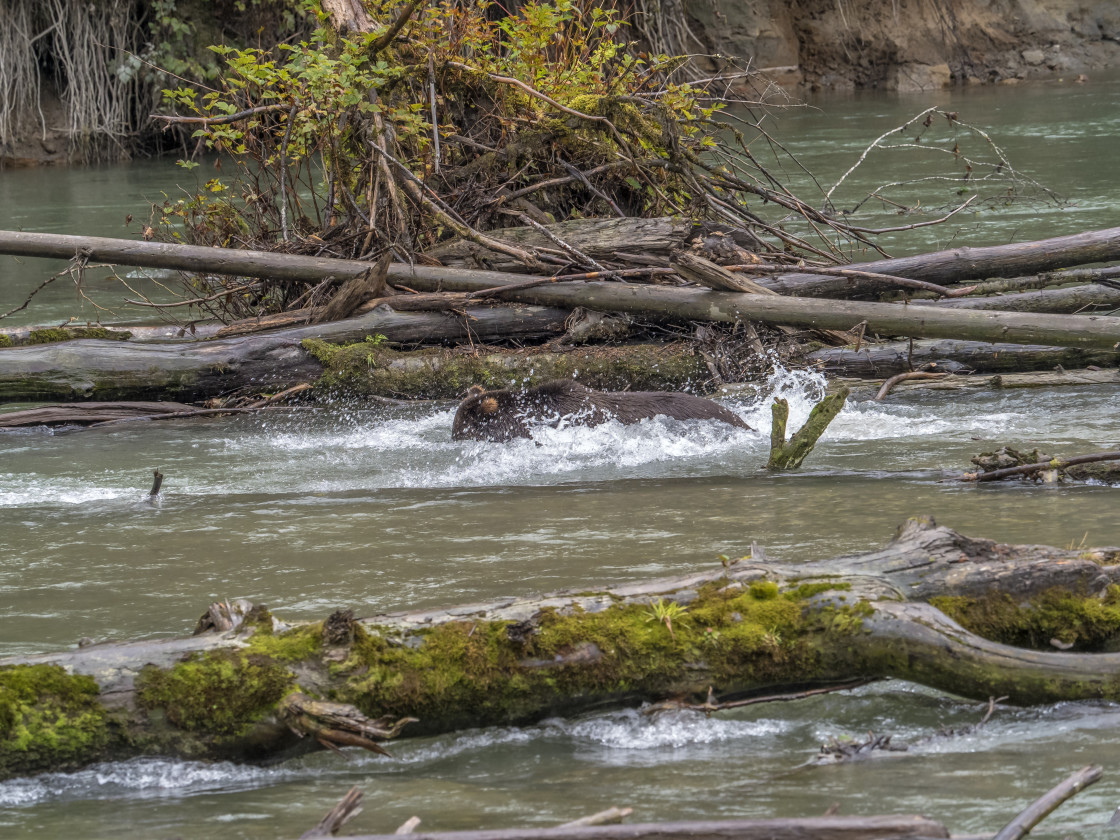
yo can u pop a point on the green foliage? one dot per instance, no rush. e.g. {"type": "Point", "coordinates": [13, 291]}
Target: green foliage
{"type": "Point", "coordinates": [49, 719]}
{"type": "Point", "coordinates": [307, 168]}
{"type": "Point", "coordinates": [181, 30]}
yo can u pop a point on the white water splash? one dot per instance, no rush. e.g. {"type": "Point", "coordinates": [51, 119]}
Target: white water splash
{"type": "Point", "coordinates": [135, 778]}
{"type": "Point", "coordinates": [632, 730]}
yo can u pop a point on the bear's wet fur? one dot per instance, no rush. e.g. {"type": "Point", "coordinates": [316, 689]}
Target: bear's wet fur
{"type": "Point", "coordinates": [506, 414]}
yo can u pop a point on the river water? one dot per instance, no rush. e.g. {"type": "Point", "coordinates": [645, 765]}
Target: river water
{"type": "Point", "coordinates": [377, 509]}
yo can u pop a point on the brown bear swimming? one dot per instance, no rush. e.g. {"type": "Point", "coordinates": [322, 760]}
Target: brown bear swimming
{"type": "Point", "coordinates": [506, 414]}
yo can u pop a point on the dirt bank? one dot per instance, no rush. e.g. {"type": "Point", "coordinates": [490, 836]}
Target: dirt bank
{"type": "Point", "coordinates": [911, 44]}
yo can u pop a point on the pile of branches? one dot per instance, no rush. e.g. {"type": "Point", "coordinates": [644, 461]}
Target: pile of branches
{"type": "Point", "coordinates": [400, 126]}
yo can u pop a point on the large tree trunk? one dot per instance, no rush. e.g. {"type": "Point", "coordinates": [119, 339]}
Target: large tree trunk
{"type": "Point", "coordinates": [671, 303]}
{"type": "Point", "coordinates": [745, 629]}
{"type": "Point", "coordinates": [110, 370]}
{"type": "Point", "coordinates": [115, 370]}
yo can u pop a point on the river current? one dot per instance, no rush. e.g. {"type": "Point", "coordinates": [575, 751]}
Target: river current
{"type": "Point", "coordinates": [375, 508]}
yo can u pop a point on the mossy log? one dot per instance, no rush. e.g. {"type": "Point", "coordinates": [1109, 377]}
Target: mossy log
{"type": "Point", "coordinates": [92, 370]}
{"type": "Point", "coordinates": [195, 370]}
{"type": "Point", "coordinates": [264, 690]}
{"type": "Point", "coordinates": [877, 361]}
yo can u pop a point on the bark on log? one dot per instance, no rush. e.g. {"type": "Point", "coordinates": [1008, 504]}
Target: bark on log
{"type": "Point", "coordinates": [113, 370]}
{"type": "Point", "coordinates": [681, 304]}
{"type": "Point", "coordinates": [1056, 301]}
{"type": "Point", "coordinates": [86, 414]}
{"type": "Point", "coordinates": [959, 265]}
{"type": "Point", "coordinates": [951, 266]}
{"type": "Point", "coordinates": [1089, 331]}
{"type": "Point", "coordinates": [877, 361]}
{"type": "Point", "coordinates": [863, 389]}
{"type": "Point", "coordinates": [80, 370]}
{"type": "Point", "coordinates": [512, 661]}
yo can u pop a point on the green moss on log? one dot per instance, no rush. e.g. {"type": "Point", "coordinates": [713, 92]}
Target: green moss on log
{"type": "Point", "coordinates": [218, 693]}
{"type": "Point", "coordinates": [295, 645]}
{"type": "Point", "coordinates": [56, 334]}
{"type": "Point", "coordinates": [1087, 623]}
{"type": "Point", "coordinates": [476, 673]}
{"type": "Point", "coordinates": [49, 720]}
{"type": "Point", "coordinates": [372, 369]}
{"type": "Point", "coordinates": [6, 340]}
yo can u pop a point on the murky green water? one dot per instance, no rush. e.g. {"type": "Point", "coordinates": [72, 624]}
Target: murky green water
{"type": "Point", "coordinates": [378, 509]}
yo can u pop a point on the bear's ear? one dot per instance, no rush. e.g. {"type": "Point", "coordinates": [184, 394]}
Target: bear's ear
{"type": "Point", "coordinates": [474, 391]}
{"type": "Point", "coordinates": [488, 405]}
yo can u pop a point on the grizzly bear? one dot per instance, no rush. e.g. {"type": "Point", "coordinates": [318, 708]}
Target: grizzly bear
{"type": "Point", "coordinates": [507, 414]}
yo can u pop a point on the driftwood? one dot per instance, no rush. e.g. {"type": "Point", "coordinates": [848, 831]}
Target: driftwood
{"type": "Point", "coordinates": [86, 414]}
{"type": "Point", "coordinates": [1040, 465]}
{"type": "Point", "coordinates": [1042, 807]}
{"type": "Point", "coordinates": [1057, 301]}
{"type": "Point", "coordinates": [961, 265]}
{"type": "Point", "coordinates": [789, 455]}
{"type": "Point", "coordinates": [112, 370]}
{"type": "Point", "coordinates": [748, 628]}
{"type": "Point", "coordinates": [80, 370]}
{"type": "Point", "coordinates": [879, 360]}
{"type": "Point", "coordinates": [952, 266]}
{"type": "Point", "coordinates": [899, 378]}
{"type": "Point", "coordinates": [680, 304]}
{"type": "Point", "coordinates": [862, 389]}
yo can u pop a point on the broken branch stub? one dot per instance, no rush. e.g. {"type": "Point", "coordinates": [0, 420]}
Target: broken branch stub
{"type": "Point", "coordinates": [789, 455]}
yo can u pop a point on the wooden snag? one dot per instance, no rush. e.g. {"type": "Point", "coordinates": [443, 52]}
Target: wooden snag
{"type": "Point", "coordinates": [789, 455]}
{"type": "Point", "coordinates": [347, 808]}
{"type": "Point", "coordinates": [1038, 810]}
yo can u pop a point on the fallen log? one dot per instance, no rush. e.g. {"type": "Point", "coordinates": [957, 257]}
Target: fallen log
{"type": "Point", "coordinates": [748, 628]}
{"type": "Point", "coordinates": [863, 389]}
{"type": "Point", "coordinates": [673, 303]}
{"type": "Point", "coordinates": [955, 265]}
{"type": "Point", "coordinates": [80, 370]}
{"type": "Point", "coordinates": [87, 414]}
{"type": "Point", "coordinates": [876, 361]}
{"type": "Point", "coordinates": [1056, 301]}
{"type": "Point", "coordinates": [191, 371]}
{"type": "Point", "coordinates": [888, 319]}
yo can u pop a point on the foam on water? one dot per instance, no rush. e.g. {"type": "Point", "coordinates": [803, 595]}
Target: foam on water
{"type": "Point", "coordinates": [135, 778]}
{"type": "Point", "coordinates": [361, 450]}
{"type": "Point", "coordinates": [633, 731]}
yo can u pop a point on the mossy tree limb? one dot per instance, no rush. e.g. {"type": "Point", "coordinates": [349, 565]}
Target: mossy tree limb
{"type": "Point", "coordinates": [789, 455]}
{"type": "Point", "coordinates": [742, 630]}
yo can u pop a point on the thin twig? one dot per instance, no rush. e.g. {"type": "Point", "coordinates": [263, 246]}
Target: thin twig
{"type": "Point", "coordinates": [888, 386]}
{"type": "Point", "coordinates": [224, 120]}
{"type": "Point", "coordinates": [194, 301]}
{"type": "Point", "coordinates": [710, 705]}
